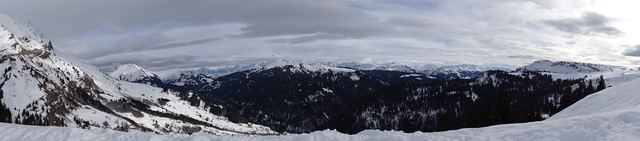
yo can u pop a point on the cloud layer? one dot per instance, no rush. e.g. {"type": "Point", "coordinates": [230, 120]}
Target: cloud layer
{"type": "Point", "coordinates": [590, 23]}
{"type": "Point", "coordinates": [164, 34]}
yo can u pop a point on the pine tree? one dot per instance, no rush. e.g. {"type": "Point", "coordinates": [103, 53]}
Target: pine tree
{"type": "Point", "coordinates": [566, 99]}
{"type": "Point", "coordinates": [601, 84]}
{"type": "Point", "coordinates": [590, 88]}
{"type": "Point", "coordinates": [504, 112]}
{"type": "Point", "coordinates": [5, 113]}
{"type": "Point", "coordinates": [580, 93]}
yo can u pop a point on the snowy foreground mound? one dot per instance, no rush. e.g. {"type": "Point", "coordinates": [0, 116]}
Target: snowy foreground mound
{"type": "Point", "coordinates": [612, 114]}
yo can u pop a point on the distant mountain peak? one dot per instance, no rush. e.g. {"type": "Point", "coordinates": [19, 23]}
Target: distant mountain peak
{"type": "Point", "coordinates": [131, 72]}
{"type": "Point", "coordinates": [567, 67]}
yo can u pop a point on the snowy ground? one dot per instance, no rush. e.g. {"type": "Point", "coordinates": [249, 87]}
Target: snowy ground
{"type": "Point", "coordinates": [618, 125]}
{"type": "Point", "coordinates": [612, 114]}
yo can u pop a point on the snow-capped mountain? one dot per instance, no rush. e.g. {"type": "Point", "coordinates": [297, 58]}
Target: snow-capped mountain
{"type": "Point", "coordinates": [373, 66]}
{"type": "Point", "coordinates": [131, 73]}
{"type": "Point", "coordinates": [39, 86]}
{"type": "Point", "coordinates": [568, 67]}
{"type": "Point", "coordinates": [450, 72]}
{"type": "Point", "coordinates": [445, 72]}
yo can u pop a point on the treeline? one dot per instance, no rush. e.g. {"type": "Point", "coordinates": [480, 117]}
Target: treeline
{"type": "Point", "coordinates": [497, 98]}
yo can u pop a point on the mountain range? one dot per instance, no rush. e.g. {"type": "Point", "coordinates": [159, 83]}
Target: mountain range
{"type": "Point", "coordinates": [299, 98]}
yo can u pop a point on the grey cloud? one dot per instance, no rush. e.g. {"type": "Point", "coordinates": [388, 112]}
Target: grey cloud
{"type": "Point", "coordinates": [635, 51]}
{"type": "Point", "coordinates": [522, 56]}
{"type": "Point", "coordinates": [180, 59]}
{"type": "Point", "coordinates": [310, 38]}
{"type": "Point", "coordinates": [308, 17]}
{"type": "Point", "coordinates": [121, 59]}
{"type": "Point", "coordinates": [74, 18]}
{"type": "Point", "coordinates": [108, 64]}
{"type": "Point", "coordinates": [168, 63]}
{"type": "Point", "coordinates": [188, 43]}
{"type": "Point", "coordinates": [462, 30]}
{"type": "Point", "coordinates": [73, 25]}
{"type": "Point", "coordinates": [418, 4]}
{"type": "Point", "coordinates": [589, 23]}
{"type": "Point", "coordinates": [133, 44]}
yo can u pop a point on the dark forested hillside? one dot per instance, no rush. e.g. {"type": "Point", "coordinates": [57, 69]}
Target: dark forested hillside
{"type": "Point", "coordinates": [295, 99]}
{"type": "Point", "coordinates": [289, 98]}
{"type": "Point", "coordinates": [286, 98]}
{"type": "Point", "coordinates": [496, 98]}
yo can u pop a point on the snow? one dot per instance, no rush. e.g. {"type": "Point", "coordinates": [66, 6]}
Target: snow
{"type": "Point", "coordinates": [423, 68]}
{"type": "Point", "coordinates": [614, 75]}
{"type": "Point", "coordinates": [169, 74]}
{"type": "Point", "coordinates": [411, 75]}
{"type": "Point", "coordinates": [622, 96]}
{"type": "Point", "coordinates": [568, 67]}
{"type": "Point", "coordinates": [612, 78]}
{"type": "Point", "coordinates": [21, 30]}
{"type": "Point", "coordinates": [130, 72]}
{"type": "Point", "coordinates": [89, 113]}
{"type": "Point", "coordinates": [618, 125]}
{"type": "Point", "coordinates": [354, 77]}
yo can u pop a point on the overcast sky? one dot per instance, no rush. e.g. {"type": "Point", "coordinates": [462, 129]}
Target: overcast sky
{"type": "Point", "coordinates": [161, 34]}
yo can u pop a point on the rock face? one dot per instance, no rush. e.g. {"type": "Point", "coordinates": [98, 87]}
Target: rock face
{"type": "Point", "coordinates": [40, 87]}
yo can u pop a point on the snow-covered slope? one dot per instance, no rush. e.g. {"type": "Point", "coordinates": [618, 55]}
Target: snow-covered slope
{"type": "Point", "coordinates": [611, 114]}
{"type": "Point", "coordinates": [131, 73]}
{"type": "Point", "coordinates": [38, 86]}
{"type": "Point", "coordinates": [613, 75]}
{"type": "Point", "coordinates": [620, 97]}
{"type": "Point", "coordinates": [568, 67]}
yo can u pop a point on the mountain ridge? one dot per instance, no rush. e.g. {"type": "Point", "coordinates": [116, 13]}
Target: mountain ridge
{"type": "Point", "coordinates": [568, 67]}
{"type": "Point", "coordinates": [40, 87]}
